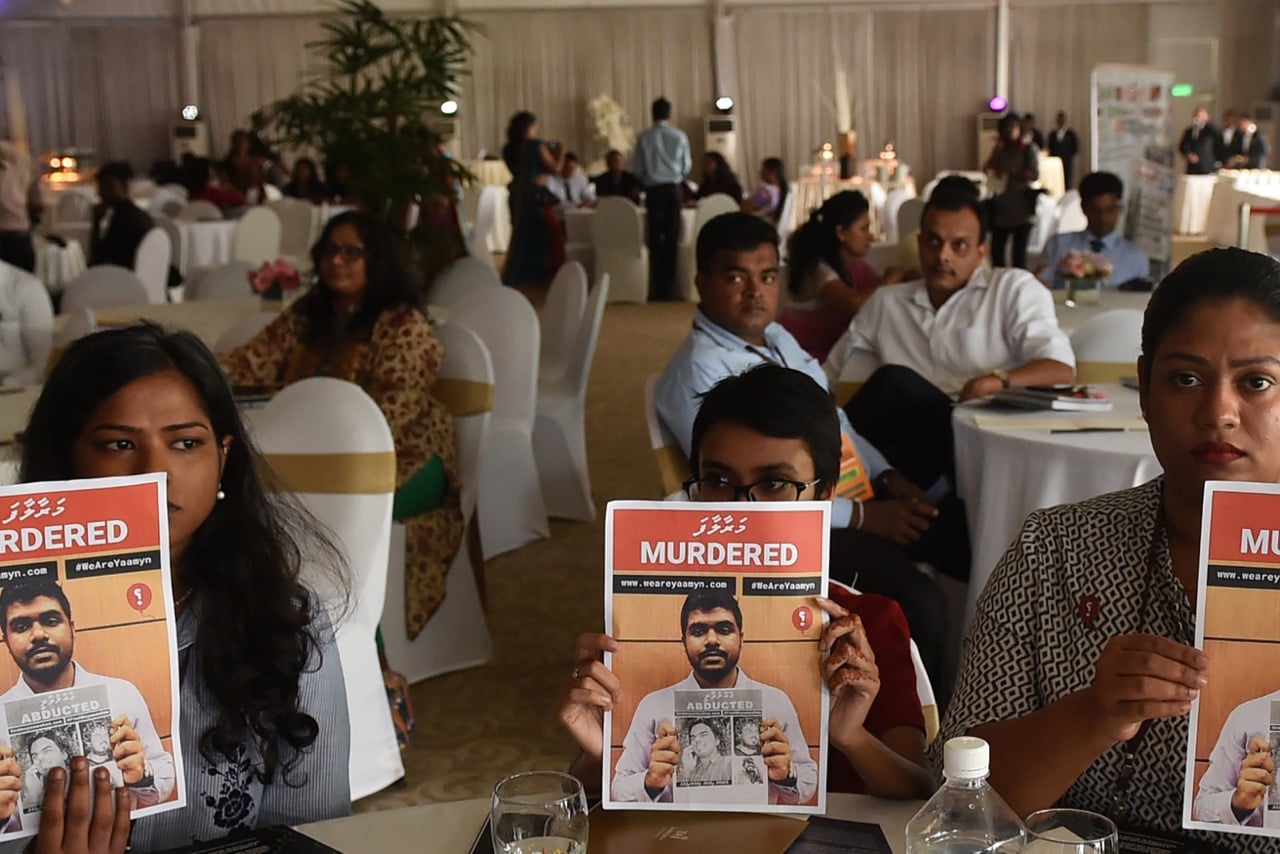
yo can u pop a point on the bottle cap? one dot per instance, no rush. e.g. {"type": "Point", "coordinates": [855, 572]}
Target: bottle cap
{"type": "Point", "coordinates": [966, 758]}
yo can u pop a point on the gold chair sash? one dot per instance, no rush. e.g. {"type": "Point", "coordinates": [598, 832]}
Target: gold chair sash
{"type": "Point", "coordinates": [672, 466]}
{"type": "Point", "coordinates": [1093, 373]}
{"type": "Point", "coordinates": [332, 474]}
{"type": "Point", "coordinates": [464, 397]}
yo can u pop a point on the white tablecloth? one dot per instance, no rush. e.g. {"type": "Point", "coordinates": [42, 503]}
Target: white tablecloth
{"type": "Point", "coordinates": [1052, 179]}
{"type": "Point", "coordinates": [204, 245]}
{"type": "Point", "coordinates": [1003, 474]}
{"type": "Point", "coordinates": [1192, 195]}
{"type": "Point", "coordinates": [57, 265]}
{"type": "Point", "coordinates": [489, 172]}
{"type": "Point", "coordinates": [450, 828]}
{"type": "Point", "coordinates": [812, 192]}
{"type": "Point", "coordinates": [1071, 319]}
{"type": "Point", "coordinates": [577, 224]}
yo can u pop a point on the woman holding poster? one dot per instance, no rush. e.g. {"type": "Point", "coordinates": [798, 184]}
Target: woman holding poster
{"type": "Point", "coordinates": [1080, 669]}
{"type": "Point", "coordinates": [258, 666]}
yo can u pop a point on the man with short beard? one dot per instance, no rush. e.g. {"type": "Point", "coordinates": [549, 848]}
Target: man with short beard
{"type": "Point", "coordinates": [711, 630]}
{"type": "Point", "coordinates": [37, 629]}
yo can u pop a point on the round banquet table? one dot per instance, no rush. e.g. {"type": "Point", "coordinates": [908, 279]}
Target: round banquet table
{"type": "Point", "coordinates": [489, 172]}
{"type": "Point", "coordinates": [1192, 196]}
{"type": "Point", "coordinates": [204, 245]}
{"type": "Point", "coordinates": [1009, 463]}
{"type": "Point", "coordinates": [57, 265]}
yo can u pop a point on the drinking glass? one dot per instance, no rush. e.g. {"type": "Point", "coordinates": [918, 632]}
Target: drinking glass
{"type": "Point", "coordinates": [539, 812]}
{"type": "Point", "coordinates": [1062, 831]}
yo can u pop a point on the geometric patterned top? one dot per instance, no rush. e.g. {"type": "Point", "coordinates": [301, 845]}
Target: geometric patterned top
{"type": "Point", "coordinates": [1075, 577]}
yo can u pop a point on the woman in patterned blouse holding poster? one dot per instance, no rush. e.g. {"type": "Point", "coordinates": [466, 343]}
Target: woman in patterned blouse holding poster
{"type": "Point", "coordinates": [1079, 668]}
{"type": "Point", "coordinates": [361, 323]}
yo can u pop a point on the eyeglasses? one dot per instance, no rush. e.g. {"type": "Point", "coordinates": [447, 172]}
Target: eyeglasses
{"type": "Point", "coordinates": [767, 489]}
{"type": "Point", "coordinates": [348, 253]}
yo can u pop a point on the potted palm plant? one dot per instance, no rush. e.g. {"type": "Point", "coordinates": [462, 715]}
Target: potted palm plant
{"type": "Point", "coordinates": [368, 105]}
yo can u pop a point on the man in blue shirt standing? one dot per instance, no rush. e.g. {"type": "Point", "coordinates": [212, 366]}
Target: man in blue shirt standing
{"type": "Point", "coordinates": [1101, 199]}
{"type": "Point", "coordinates": [661, 162]}
{"type": "Point", "coordinates": [874, 543]}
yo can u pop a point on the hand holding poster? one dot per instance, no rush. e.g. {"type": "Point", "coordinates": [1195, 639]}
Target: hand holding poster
{"type": "Point", "coordinates": [1234, 742]}
{"type": "Point", "coordinates": [712, 606]}
{"type": "Point", "coordinates": [91, 670]}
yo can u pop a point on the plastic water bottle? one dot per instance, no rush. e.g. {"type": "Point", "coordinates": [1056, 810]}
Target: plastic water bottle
{"type": "Point", "coordinates": [966, 816]}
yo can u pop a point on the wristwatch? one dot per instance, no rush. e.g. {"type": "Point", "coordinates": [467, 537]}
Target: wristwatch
{"type": "Point", "coordinates": [147, 780]}
{"type": "Point", "coordinates": [1002, 375]}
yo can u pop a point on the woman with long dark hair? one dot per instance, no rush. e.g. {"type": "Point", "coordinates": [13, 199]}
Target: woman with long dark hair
{"type": "Point", "coordinates": [828, 278]}
{"type": "Point", "coordinates": [771, 195]}
{"type": "Point", "coordinates": [537, 247]}
{"type": "Point", "coordinates": [264, 724]}
{"type": "Point", "coordinates": [718, 177]}
{"type": "Point", "coordinates": [361, 323]}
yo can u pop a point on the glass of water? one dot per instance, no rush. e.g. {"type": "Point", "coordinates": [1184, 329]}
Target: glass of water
{"type": "Point", "coordinates": [539, 812]}
{"type": "Point", "coordinates": [1062, 831]}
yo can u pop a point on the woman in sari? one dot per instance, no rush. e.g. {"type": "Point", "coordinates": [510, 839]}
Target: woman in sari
{"type": "Point", "coordinates": [537, 245]}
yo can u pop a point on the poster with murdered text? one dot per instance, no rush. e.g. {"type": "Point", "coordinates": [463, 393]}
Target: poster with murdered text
{"type": "Point", "coordinates": [1233, 749]}
{"type": "Point", "coordinates": [723, 706]}
{"type": "Point", "coordinates": [90, 660]}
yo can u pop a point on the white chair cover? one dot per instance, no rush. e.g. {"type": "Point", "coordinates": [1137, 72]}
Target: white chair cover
{"type": "Point", "coordinates": [297, 230]}
{"type": "Point", "coordinates": [103, 286]}
{"type": "Point", "coordinates": [1070, 214]}
{"type": "Point", "coordinates": [511, 509]}
{"type": "Point", "coordinates": [889, 222]}
{"type": "Point", "coordinates": [486, 216]}
{"type": "Point", "coordinates": [457, 635]}
{"type": "Point", "coordinates": [244, 330]}
{"type": "Point", "coordinates": [617, 233]}
{"type": "Point", "coordinates": [79, 323]}
{"type": "Point", "coordinates": [708, 209]}
{"type": "Point", "coordinates": [256, 238]}
{"type": "Point", "coordinates": [151, 263]}
{"type": "Point", "coordinates": [72, 207]}
{"type": "Point", "coordinates": [673, 466]}
{"type": "Point", "coordinates": [198, 211]}
{"type": "Point", "coordinates": [909, 213]}
{"type": "Point", "coordinates": [787, 219]}
{"type": "Point", "coordinates": [272, 193]}
{"type": "Point", "coordinates": [1107, 346]}
{"type": "Point", "coordinates": [559, 431]}
{"type": "Point", "coordinates": [561, 316]}
{"type": "Point", "coordinates": [228, 281]}
{"type": "Point", "coordinates": [330, 418]}
{"type": "Point", "coordinates": [176, 189]}
{"type": "Point", "coordinates": [170, 204]}
{"type": "Point", "coordinates": [467, 275]}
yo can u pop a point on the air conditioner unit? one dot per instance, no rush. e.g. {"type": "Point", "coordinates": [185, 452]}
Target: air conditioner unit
{"type": "Point", "coordinates": [720, 134]}
{"type": "Point", "coordinates": [1266, 115]}
{"type": "Point", "coordinates": [188, 138]}
{"type": "Point", "coordinates": [988, 133]}
{"type": "Point", "coordinates": [449, 129]}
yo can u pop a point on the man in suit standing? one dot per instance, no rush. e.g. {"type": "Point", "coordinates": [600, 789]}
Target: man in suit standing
{"type": "Point", "coordinates": [1031, 133]}
{"type": "Point", "coordinates": [661, 162]}
{"type": "Point", "coordinates": [1249, 147]}
{"type": "Point", "coordinates": [1200, 144]}
{"type": "Point", "coordinates": [1065, 145]}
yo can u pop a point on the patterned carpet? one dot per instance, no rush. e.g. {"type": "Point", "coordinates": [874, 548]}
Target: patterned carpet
{"type": "Point", "coordinates": [477, 726]}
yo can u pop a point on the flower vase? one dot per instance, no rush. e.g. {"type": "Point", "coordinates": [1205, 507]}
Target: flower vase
{"type": "Point", "coordinates": [1085, 289]}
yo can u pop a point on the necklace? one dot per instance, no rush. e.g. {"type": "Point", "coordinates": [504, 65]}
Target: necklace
{"type": "Point", "coordinates": [183, 598]}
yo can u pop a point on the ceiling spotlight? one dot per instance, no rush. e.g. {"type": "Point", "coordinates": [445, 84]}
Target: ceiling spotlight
{"type": "Point", "coordinates": [724, 103]}
{"type": "Point", "coordinates": [449, 107]}
{"type": "Point", "coordinates": [997, 104]}
{"type": "Point", "coordinates": [191, 112]}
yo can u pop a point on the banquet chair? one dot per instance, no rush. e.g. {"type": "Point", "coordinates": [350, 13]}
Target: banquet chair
{"type": "Point", "coordinates": [889, 222]}
{"type": "Point", "coordinates": [457, 635]}
{"type": "Point", "coordinates": [198, 211]}
{"type": "Point", "coordinates": [151, 263]}
{"type": "Point", "coordinates": [486, 218]}
{"type": "Point", "coordinates": [271, 193]}
{"type": "Point", "coordinates": [244, 330]}
{"type": "Point", "coordinates": [297, 231]}
{"type": "Point", "coordinates": [924, 688]}
{"type": "Point", "coordinates": [227, 281]}
{"type": "Point", "coordinates": [908, 217]}
{"type": "Point", "coordinates": [175, 188]}
{"type": "Point", "coordinates": [511, 509]}
{"type": "Point", "coordinates": [559, 428]}
{"type": "Point", "coordinates": [72, 207]}
{"type": "Point", "coordinates": [1070, 214]}
{"type": "Point", "coordinates": [560, 319]}
{"type": "Point", "coordinates": [256, 237]}
{"type": "Point", "coordinates": [1107, 346]}
{"type": "Point", "coordinates": [167, 203]}
{"type": "Point", "coordinates": [673, 465]}
{"type": "Point", "coordinates": [708, 209]}
{"type": "Point", "coordinates": [617, 233]}
{"type": "Point", "coordinates": [467, 275]}
{"type": "Point", "coordinates": [103, 286]}
{"type": "Point", "coordinates": [328, 445]}
{"type": "Point", "coordinates": [79, 323]}
{"type": "Point", "coordinates": [786, 221]}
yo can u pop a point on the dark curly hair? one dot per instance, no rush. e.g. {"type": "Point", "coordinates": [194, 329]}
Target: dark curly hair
{"type": "Point", "coordinates": [244, 562]}
{"type": "Point", "coordinates": [388, 281]}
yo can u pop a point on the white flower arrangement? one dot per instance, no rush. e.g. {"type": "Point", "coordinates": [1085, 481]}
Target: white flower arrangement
{"type": "Point", "coordinates": [613, 128]}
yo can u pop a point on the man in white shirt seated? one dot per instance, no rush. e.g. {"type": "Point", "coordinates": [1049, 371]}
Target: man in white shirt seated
{"type": "Point", "coordinates": [26, 327]}
{"type": "Point", "coordinates": [875, 542]}
{"type": "Point", "coordinates": [572, 186]}
{"type": "Point", "coordinates": [962, 332]}
{"type": "Point", "coordinates": [1101, 199]}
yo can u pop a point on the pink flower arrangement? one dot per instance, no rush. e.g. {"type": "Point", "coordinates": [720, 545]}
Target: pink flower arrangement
{"type": "Point", "coordinates": [274, 279]}
{"type": "Point", "coordinates": [1084, 265]}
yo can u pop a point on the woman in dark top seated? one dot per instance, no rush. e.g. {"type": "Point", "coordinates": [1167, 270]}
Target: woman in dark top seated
{"type": "Point", "coordinates": [306, 183]}
{"type": "Point", "coordinates": [717, 177]}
